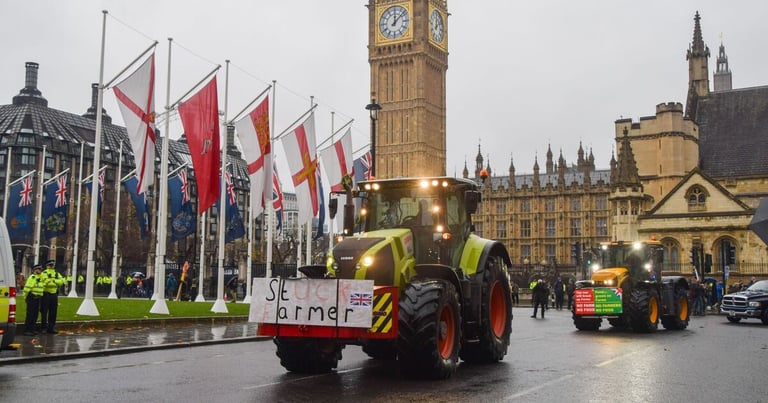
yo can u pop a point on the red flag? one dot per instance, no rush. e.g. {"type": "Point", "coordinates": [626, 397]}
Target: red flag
{"type": "Point", "coordinates": [200, 118]}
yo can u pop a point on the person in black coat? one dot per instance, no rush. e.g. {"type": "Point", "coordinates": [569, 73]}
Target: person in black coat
{"type": "Point", "coordinates": [540, 295]}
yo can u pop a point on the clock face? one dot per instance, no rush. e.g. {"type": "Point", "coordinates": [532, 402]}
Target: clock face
{"type": "Point", "coordinates": [394, 22]}
{"type": "Point", "coordinates": [436, 28]}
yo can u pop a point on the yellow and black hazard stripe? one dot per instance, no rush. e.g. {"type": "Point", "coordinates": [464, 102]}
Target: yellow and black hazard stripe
{"type": "Point", "coordinates": [382, 313]}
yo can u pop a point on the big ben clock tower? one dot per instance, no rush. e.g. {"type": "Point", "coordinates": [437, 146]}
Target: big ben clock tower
{"type": "Point", "coordinates": [408, 55]}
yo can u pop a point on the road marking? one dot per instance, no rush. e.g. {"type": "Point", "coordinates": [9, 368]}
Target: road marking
{"type": "Point", "coordinates": [535, 388]}
{"type": "Point", "coordinates": [566, 377]}
{"type": "Point", "coordinates": [303, 378]}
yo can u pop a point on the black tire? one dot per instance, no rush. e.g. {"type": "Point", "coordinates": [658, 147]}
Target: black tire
{"type": "Point", "coordinates": [587, 324]}
{"type": "Point", "coordinates": [620, 322]}
{"type": "Point", "coordinates": [429, 334]}
{"type": "Point", "coordinates": [733, 319]}
{"type": "Point", "coordinates": [644, 310]}
{"type": "Point", "coordinates": [764, 316]}
{"type": "Point", "coordinates": [496, 318]}
{"type": "Point", "coordinates": [681, 319]}
{"type": "Point", "coordinates": [307, 355]}
{"type": "Point", "coordinates": [381, 349]}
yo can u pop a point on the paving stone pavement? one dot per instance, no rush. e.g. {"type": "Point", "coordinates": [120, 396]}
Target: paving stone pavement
{"type": "Point", "coordinates": [81, 339]}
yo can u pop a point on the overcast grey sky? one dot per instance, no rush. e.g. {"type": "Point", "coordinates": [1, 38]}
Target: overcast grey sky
{"type": "Point", "coordinates": [521, 75]}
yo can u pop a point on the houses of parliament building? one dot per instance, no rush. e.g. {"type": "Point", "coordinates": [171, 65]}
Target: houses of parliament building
{"type": "Point", "coordinates": [691, 177]}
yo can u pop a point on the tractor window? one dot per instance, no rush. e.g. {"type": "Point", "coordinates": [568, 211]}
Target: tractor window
{"type": "Point", "coordinates": [643, 261]}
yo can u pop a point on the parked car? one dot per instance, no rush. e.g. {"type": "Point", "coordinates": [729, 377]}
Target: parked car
{"type": "Point", "coordinates": [751, 303]}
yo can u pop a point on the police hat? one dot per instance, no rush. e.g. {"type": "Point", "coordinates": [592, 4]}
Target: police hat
{"type": "Point", "coordinates": [50, 263]}
{"type": "Point", "coordinates": [37, 267]}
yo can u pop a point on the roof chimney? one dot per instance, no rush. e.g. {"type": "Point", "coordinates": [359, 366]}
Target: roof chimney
{"type": "Point", "coordinates": [30, 93]}
{"type": "Point", "coordinates": [91, 113]}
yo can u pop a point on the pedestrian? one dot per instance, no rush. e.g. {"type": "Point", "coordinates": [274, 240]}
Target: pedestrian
{"type": "Point", "coordinates": [540, 295]}
{"type": "Point", "coordinates": [171, 285]}
{"type": "Point", "coordinates": [751, 281]}
{"type": "Point", "coordinates": [570, 289]}
{"type": "Point", "coordinates": [52, 280]}
{"type": "Point", "coordinates": [515, 294]}
{"type": "Point", "coordinates": [33, 293]}
{"type": "Point", "coordinates": [559, 290]}
{"type": "Point", "coordinates": [149, 286]}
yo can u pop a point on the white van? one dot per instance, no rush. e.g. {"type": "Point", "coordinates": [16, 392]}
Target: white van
{"type": "Point", "coordinates": [7, 289]}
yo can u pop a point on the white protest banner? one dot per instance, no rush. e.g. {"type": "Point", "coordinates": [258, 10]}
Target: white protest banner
{"type": "Point", "coordinates": [319, 302]}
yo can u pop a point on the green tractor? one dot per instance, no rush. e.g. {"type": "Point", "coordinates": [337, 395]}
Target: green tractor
{"type": "Point", "coordinates": [627, 289]}
{"type": "Point", "coordinates": [440, 292]}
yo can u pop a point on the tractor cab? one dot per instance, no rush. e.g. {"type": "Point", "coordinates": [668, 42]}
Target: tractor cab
{"type": "Point", "coordinates": [640, 261]}
{"type": "Point", "coordinates": [436, 210]}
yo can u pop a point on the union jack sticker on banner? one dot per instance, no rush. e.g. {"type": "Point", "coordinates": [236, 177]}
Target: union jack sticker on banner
{"type": "Point", "coordinates": [361, 299]}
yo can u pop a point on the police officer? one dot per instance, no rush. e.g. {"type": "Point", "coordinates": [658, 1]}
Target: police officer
{"type": "Point", "coordinates": [52, 280]}
{"type": "Point", "coordinates": [33, 292]}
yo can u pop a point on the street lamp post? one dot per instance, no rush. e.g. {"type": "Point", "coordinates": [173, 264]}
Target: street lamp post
{"type": "Point", "coordinates": [373, 108]}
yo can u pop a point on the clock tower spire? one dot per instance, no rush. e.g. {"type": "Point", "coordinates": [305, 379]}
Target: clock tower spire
{"type": "Point", "coordinates": [408, 56]}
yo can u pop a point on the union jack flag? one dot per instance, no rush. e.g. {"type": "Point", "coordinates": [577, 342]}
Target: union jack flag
{"type": "Point", "coordinates": [361, 167]}
{"type": "Point", "coordinates": [277, 198]}
{"type": "Point", "coordinates": [365, 160]}
{"type": "Point", "coordinates": [61, 191]}
{"type": "Point", "coordinates": [230, 188]}
{"type": "Point", "coordinates": [361, 299]}
{"type": "Point", "coordinates": [618, 292]}
{"type": "Point", "coordinates": [25, 195]}
{"type": "Point", "coordinates": [101, 186]}
{"type": "Point", "coordinates": [184, 186]}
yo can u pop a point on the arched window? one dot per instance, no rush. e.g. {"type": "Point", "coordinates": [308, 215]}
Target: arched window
{"type": "Point", "coordinates": [671, 255]}
{"type": "Point", "coordinates": [697, 198]}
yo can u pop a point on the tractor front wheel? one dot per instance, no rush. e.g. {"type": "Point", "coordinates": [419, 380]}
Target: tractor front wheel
{"type": "Point", "coordinates": [429, 329]}
{"type": "Point", "coordinates": [496, 317]}
{"type": "Point", "coordinates": [307, 355]}
{"type": "Point", "coordinates": [644, 310]}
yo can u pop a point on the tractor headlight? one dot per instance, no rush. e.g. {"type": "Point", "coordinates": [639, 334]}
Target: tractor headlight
{"type": "Point", "coordinates": [331, 263]}
{"type": "Point", "coordinates": [648, 267]}
{"type": "Point", "coordinates": [595, 267]}
{"type": "Point", "coordinates": [367, 262]}
{"type": "Point", "coordinates": [608, 282]}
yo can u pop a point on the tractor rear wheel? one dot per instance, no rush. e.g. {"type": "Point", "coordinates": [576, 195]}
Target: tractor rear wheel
{"type": "Point", "coordinates": [429, 329]}
{"type": "Point", "coordinates": [644, 310]}
{"type": "Point", "coordinates": [679, 321]}
{"type": "Point", "coordinates": [307, 355]}
{"type": "Point", "coordinates": [496, 317]}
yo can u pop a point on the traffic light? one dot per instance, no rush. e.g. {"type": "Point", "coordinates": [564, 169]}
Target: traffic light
{"type": "Point", "coordinates": [731, 256]}
{"type": "Point", "coordinates": [708, 263]}
{"type": "Point", "coordinates": [575, 255]}
{"type": "Point", "coordinates": [695, 257]}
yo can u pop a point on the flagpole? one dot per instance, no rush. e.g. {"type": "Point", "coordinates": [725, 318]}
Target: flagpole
{"type": "Point", "coordinates": [112, 293]}
{"type": "Point", "coordinates": [247, 298]}
{"type": "Point", "coordinates": [200, 269]}
{"type": "Point", "coordinates": [39, 214]}
{"type": "Point", "coordinates": [88, 307]}
{"type": "Point", "coordinates": [73, 269]}
{"type": "Point", "coordinates": [160, 306]}
{"type": "Point", "coordinates": [7, 182]}
{"type": "Point", "coordinates": [331, 220]}
{"type": "Point", "coordinates": [270, 206]}
{"type": "Point", "coordinates": [219, 306]}
{"type": "Point", "coordinates": [308, 257]}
